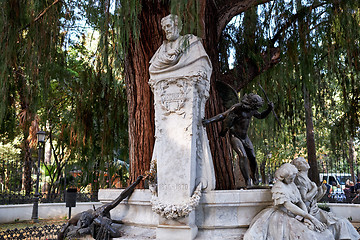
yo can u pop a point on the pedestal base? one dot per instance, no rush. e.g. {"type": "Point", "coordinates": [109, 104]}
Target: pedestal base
{"type": "Point", "coordinates": [164, 232]}
{"type": "Point", "coordinates": [220, 214]}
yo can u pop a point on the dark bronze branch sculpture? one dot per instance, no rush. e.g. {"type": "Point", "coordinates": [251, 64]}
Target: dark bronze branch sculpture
{"type": "Point", "coordinates": [96, 222]}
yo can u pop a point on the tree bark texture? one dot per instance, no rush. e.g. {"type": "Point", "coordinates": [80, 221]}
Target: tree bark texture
{"type": "Point", "coordinates": [139, 96]}
{"type": "Point", "coordinates": [352, 158]}
{"type": "Point", "coordinates": [214, 15]}
{"type": "Point", "coordinates": [310, 139]}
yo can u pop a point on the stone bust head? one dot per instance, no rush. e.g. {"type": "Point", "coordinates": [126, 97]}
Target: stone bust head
{"type": "Point", "coordinates": [172, 26]}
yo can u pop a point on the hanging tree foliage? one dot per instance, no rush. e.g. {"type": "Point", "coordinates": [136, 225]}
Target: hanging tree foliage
{"type": "Point", "coordinates": [45, 72]}
{"type": "Point", "coordinates": [28, 41]}
{"type": "Point", "coordinates": [301, 52]}
{"type": "Point", "coordinates": [312, 53]}
{"type": "Point", "coordinates": [290, 31]}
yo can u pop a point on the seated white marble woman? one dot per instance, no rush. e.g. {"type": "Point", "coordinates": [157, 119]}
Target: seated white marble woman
{"type": "Point", "coordinates": [288, 218]}
{"type": "Point", "coordinates": [341, 228]}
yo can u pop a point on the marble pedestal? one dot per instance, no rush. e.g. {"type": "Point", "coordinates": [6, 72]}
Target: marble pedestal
{"type": "Point", "coordinates": [181, 152]}
{"type": "Point", "coordinates": [224, 214]}
{"type": "Point", "coordinates": [180, 73]}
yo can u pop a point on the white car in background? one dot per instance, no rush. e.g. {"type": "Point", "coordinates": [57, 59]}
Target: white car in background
{"type": "Point", "coordinates": [339, 179]}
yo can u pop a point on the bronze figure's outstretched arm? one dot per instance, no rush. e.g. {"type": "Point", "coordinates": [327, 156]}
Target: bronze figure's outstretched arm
{"type": "Point", "coordinates": [264, 114]}
{"type": "Point", "coordinates": [127, 192]}
{"type": "Point", "coordinates": [216, 118]}
{"type": "Point", "coordinates": [223, 115]}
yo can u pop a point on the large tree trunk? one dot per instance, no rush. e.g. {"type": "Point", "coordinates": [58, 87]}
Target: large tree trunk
{"type": "Point", "coordinates": [139, 95]}
{"type": "Point", "coordinates": [213, 18]}
{"type": "Point", "coordinates": [310, 139]}
{"type": "Point", "coordinates": [220, 150]}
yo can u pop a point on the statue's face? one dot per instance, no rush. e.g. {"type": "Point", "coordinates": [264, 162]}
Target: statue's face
{"type": "Point", "coordinates": [85, 220]}
{"type": "Point", "coordinates": [252, 100]}
{"type": "Point", "coordinates": [171, 30]}
{"type": "Point", "coordinates": [303, 165]}
{"type": "Point", "coordinates": [258, 101]}
{"type": "Point", "coordinates": [290, 178]}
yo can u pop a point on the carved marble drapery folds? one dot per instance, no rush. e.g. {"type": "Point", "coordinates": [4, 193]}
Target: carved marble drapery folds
{"type": "Point", "coordinates": [180, 74]}
{"type": "Point", "coordinates": [181, 143]}
{"type": "Point", "coordinates": [341, 228]}
{"type": "Point", "coordinates": [288, 218]}
{"type": "Point", "coordinates": [183, 57]}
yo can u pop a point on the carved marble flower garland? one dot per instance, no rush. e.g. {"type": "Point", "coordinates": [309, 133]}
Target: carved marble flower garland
{"type": "Point", "coordinates": [172, 211]}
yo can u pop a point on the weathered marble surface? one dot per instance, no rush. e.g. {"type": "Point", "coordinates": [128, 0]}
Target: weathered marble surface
{"type": "Point", "coordinates": [289, 217]}
{"type": "Point", "coordinates": [341, 228]}
{"type": "Point", "coordinates": [180, 73]}
{"type": "Point", "coordinates": [224, 214]}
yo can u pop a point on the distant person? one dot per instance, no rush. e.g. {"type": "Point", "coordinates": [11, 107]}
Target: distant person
{"type": "Point", "coordinates": [334, 187]}
{"type": "Point", "coordinates": [328, 189]}
{"type": "Point", "coordinates": [352, 187]}
{"type": "Point", "coordinates": [357, 186]}
{"type": "Point", "coordinates": [349, 189]}
{"type": "Point", "coordinates": [347, 182]}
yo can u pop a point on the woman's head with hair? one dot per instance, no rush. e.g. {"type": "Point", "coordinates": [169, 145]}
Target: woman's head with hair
{"type": "Point", "coordinates": [252, 101]}
{"type": "Point", "coordinates": [301, 164]}
{"type": "Point", "coordinates": [285, 171]}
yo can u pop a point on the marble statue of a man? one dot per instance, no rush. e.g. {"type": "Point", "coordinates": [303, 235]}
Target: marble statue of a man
{"type": "Point", "coordinates": [178, 55]}
{"type": "Point", "coordinates": [180, 73]}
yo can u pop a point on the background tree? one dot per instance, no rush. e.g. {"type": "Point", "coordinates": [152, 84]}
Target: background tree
{"type": "Point", "coordinates": [50, 80]}
{"type": "Point", "coordinates": [288, 46]}
{"type": "Point", "coordinates": [28, 41]}
{"type": "Point", "coordinates": [311, 55]}
{"type": "Point", "coordinates": [294, 27]}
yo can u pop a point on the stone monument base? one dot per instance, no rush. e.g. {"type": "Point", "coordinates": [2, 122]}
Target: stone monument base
{"type": "Point", "coordinates": [177, 232]}
{"type": "Point", "coordinates": [221, 214]}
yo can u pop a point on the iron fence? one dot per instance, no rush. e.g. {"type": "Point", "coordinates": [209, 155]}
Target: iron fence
{"type": "Point", "coordinates": [52, 187]}
{"type": "Point", "coordinates": [21, 198]}
{"type": "Point", "coordinates": [47, 232]}
{"type": "Point", "coordinates": [12, 189]}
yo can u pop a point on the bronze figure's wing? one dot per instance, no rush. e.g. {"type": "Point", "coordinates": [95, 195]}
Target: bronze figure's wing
{"type": "Point", "coordinates": [227, 93]}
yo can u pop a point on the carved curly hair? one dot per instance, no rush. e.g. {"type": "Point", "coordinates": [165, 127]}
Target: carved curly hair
{"type": "Point", "coordinates": [177, 21]}
{"type": "Point", "coordinates": [284, 171]}
{"type": "Point", "coordinates": [252, 100]}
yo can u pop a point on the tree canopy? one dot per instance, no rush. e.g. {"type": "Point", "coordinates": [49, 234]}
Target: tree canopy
{"type": "Point", "coordinates": [79, 69]}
